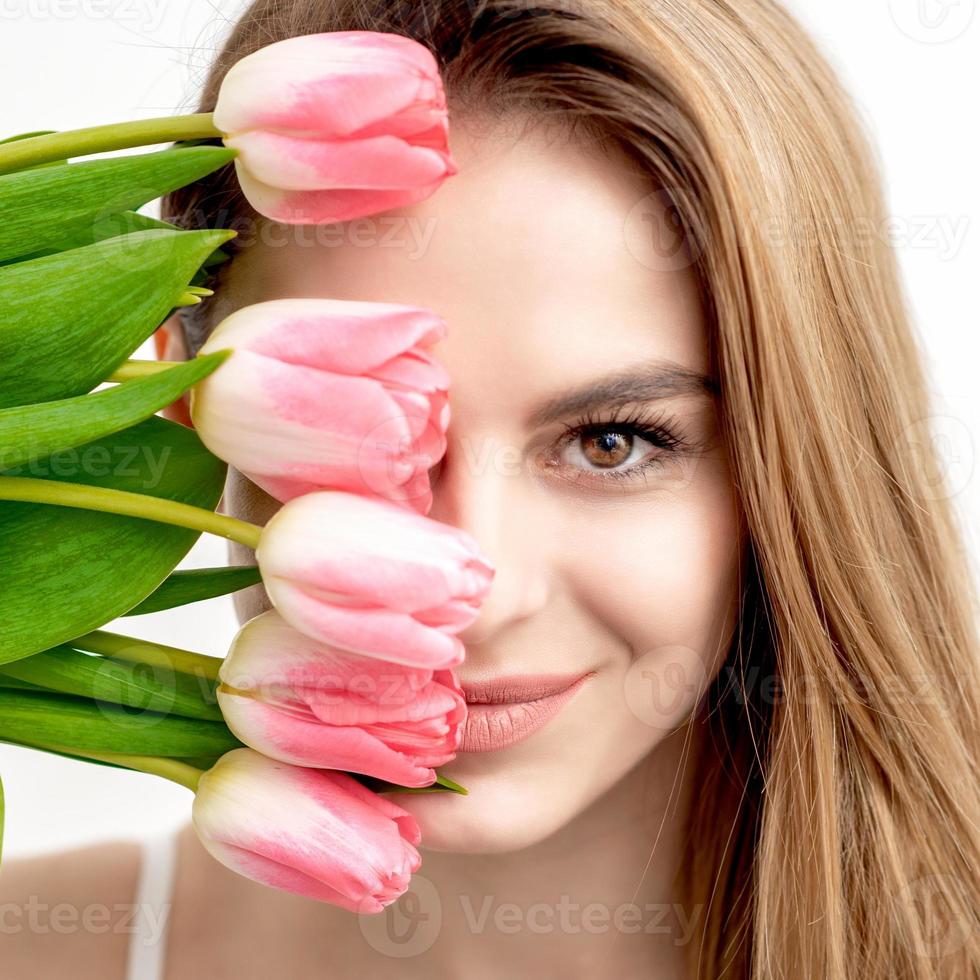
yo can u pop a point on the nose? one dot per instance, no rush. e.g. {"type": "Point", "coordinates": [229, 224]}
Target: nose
{"type": "Point", "coordinates": [494, 507]}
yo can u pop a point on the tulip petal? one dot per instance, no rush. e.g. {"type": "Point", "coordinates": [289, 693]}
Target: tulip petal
{"type": "Point", "coordinates": [382, 162]}
{"type": "Point", "coordinates": [414, 370]}
{"type": "Point", "coordinates": [367, 575]}
{"type": "Point", "coordinates": [339, 82]}
{"type": "Point", "coordinates": [267, 652]}
{"type": "Point", "coordinates": [416, 493]}
{"type": "Point", "coordinates": [380, 553]}
{"type": "Point", "coordinates": [316, 824]}
{"type": "Point", "coordinates": [353, 337]}
{"type": "Point", "coordinates": [308, 427]}
{"type": "Point", "coordinates": [313, 207]}
{"type": "Point", "coordinates": [325, 746]}
{"type": "Point", "coordinates": [407, 825]}
{"type": "Point", "coordinates": [275, 874]}
{"type": "Point", "coordinates": [336, 125]}
{"type": "Point", "coordinates": [277, 685]}
{"type": "Point", "coordinates": [371, 631]}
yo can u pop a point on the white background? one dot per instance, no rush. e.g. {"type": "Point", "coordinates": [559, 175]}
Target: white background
{"type": "Point", "coordinates": [912, 65]}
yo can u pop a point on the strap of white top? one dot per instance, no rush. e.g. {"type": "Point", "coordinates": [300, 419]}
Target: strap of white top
{"type": "Point", "coordinates": [148, 941]}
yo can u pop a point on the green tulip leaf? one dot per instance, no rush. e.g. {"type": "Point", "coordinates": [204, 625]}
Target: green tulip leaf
{"type": "Point", "coordinates": [41, 205]}
{"type": "Point", "coordinates": [115, 224]}
{"type": "Point", "coordinates": [69, 319]}
{"type": "Point", "coordinates": [195, 584]}
{"type": "Point", "coordinates": [28, 432]}
{"type": "Point", "coordinates": [107, 679]}
{"type": "Point", "coordinates": [76, 723]}
{"type": "Point", "coordinates": [65, 571]}
{"type": "Point", "coordinates": [203, 762]}
{"type": "Point", "coordinates": [20, 685]}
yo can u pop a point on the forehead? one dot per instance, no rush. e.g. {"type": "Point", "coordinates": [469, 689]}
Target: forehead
{"type": "Point", "coordinates": [550, 259]}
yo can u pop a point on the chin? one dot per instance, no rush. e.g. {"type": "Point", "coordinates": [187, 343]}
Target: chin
{"type": "Point", "coordinates": [500, 813]}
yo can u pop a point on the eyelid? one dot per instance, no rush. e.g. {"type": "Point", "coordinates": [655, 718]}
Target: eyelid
{"type": "Point", "coordinates": [651, 424]}
{"type": "Point", "coordinates": [652, 381]}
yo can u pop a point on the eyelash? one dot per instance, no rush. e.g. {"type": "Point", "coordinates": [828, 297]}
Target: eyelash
{"type": "Point", "coordinates": [655, 428]}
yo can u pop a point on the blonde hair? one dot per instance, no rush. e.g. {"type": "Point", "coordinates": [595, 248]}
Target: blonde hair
{"type": "Point", "coordinates": [835, 827]}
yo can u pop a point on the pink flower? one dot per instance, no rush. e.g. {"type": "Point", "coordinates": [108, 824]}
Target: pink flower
{"type": "Point", "coordinates": [334, 126]}
{"type": "Point", "coordinates": [299, 701]}
{"type": "Point", "coordinates": [369, 576]}
{"type": "Point", "coordinates": [326, 393]}
{"type": "Point", "coordinates": [315, 832]}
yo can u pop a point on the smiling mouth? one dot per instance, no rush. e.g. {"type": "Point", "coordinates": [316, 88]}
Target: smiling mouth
{"type": "Point", "coordinates": [507, 710]}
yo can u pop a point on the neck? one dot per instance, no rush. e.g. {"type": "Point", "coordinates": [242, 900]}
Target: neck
{"type": "Point", "coordinates": [596, 898]}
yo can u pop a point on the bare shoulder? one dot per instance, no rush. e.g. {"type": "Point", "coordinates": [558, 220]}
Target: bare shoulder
{"type": "Point", "coordinates": [69, 913]}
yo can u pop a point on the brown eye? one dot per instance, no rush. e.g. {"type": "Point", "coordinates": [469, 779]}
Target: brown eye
{"type": "Point", "coordinates": [616, 449]}
{"type": "Point", "coordinates": [606, 447]}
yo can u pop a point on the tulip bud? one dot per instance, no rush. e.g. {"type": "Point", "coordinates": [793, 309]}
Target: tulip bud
{"type": "Point", "coordinates": [309, 704]}
{"type": "Point", "coordinates": [326, 393]}
{"type": "Point", "coordinates": [369, 576]}
{"type": "Point", "coordinates": [314, 832]}
{"type": "Point", "coordinates": [337, 125]}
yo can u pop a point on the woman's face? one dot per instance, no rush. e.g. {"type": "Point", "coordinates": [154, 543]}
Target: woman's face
{"type": "Point", "coordinates": [616, 547]}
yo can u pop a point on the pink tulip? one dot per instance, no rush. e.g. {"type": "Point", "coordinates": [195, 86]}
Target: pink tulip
{"type": "Point", "coordinates": [325, 393]}
{"type": "Point", "coordinates": [334, 126]}
{"type": "Point", "coordinates": [369, 576]}
{"type": "Point", "coordinates": [315, 832]}
{"type": "Point", "coordinates": [299, 701]}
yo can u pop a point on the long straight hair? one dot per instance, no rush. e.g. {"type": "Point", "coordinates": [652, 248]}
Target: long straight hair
{"type": "Point", "coordinates": [835, 828]}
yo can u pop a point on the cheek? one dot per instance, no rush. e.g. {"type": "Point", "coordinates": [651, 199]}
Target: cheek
{"type": "Point", "coordinates": [660, 575]}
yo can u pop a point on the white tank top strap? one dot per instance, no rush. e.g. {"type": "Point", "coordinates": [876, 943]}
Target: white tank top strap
{"type": "Point", "coordinates": [148, 940]}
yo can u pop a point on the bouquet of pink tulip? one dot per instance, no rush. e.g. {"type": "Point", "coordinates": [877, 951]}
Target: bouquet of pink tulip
{"type": "Point", "coordinates": [345, 688]}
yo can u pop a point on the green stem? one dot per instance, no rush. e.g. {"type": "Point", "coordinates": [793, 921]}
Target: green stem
{"type": "Point", "coordinates": [129, 504]}
{"type": "Point", "coordinates": [178, 772]}
{"type": "Point", "coordinates": [131, 369]}
{"type": "Point", "coordinates": [138, 651]}
{"type": "Point", "coordinates": [97, 139]}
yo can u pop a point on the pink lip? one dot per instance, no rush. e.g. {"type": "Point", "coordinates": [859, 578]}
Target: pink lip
{"type": "Point", "coordinates": [505, 710]}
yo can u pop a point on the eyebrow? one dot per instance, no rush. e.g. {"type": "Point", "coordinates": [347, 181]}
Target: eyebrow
{"type": "Point", "coordinates": [649, 381]}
